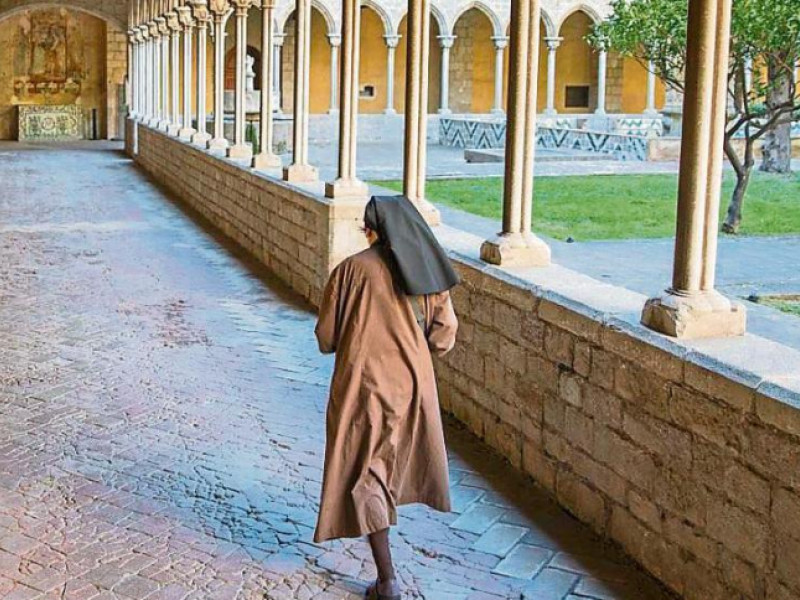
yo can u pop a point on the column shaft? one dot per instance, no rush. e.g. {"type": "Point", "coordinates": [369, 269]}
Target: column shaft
{"type": "Point", "coordinates": [552, 47]}
{"type": "Point", "coordinates": [202, 136]}
{"type": "Point", "coordinates": [602, 62]}
{"type": "Point", "coordinates": [187, 131]}
{"type": "Point", "coordinates": [445, 42]}
{"type": "Point", "coordinates": [650, 108]}
{"type": "Point", "coordinates": [241, 149]}
{"type": "Point", "coordinates": [500, 44]}
{"type": "Point", "coordinates": [391, 47]}
{"type": "Point", "coordinates": [276, 72]}
{"type": "Point", "coordinates": [266, 158]}
{"type": "Point", "coordinates": [175, 124]}
{"type": "Point", "coordinates": [300, 170]}
{"type": "Point", "coordinates": [218, 142]}
{"type": "Point", "coordinates": [335, 41]}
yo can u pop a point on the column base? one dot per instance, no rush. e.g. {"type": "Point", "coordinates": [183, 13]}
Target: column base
{"type": "Point", "coordinates": [173, 129]}
{"type": "Point", "coordinates": [296, 173]}
{"type": "Point", "coordinates": [497, 111]}
{"type": "Point", "coordinates": [701, 315]}
{"type": "Point", "coordinates": [389, 111]}
{"type": "Point", "coordinates": [201, 139]}
{"type": "Point", "coordinates": [650, 112]}
{"type": "Point", "coordinates": [218, 146]}
{"type": "Point", "coordinates": [333, 111]}
{"type": "Point", "coordinates": [266, 161]}
{"type": "Point", "coordinates": [445, 111]}
{"type": "Point", "coordinates": [186, 133]}
{"type": "Point", "coordinates": [162, 125]}
{"type": "Point", "coordinates": [240, 151]}
{"type": "Point", "coordinates": [428, 211]}
{"type": "Point", "coordinates": [516, 250]}
{"type": "Point", "coordinates": [601, 112]}
{"type": "Point", "coordinates": [550, 111]}
{"type": "Point", "coordinates": [346, 188]}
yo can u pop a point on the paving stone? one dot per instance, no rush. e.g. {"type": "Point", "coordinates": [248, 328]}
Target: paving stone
{"type": "Point", "coordinates": [162, 408]}
{"type": "Point", "coordinates": [523, 562]}
{"type": "Point", "coordinates": [478, 518]}
{"type": "Point", "coordinates": [499, 539]}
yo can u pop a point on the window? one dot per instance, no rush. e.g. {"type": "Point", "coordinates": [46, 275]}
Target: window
{"type": "Point", "coordinates": [577, 96]}
{"type": "Point", "coordinates": [367, 92]}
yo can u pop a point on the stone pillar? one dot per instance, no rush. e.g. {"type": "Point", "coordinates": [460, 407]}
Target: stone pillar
{"type": "Point", "coordinates": [500, 44]}
{"type": "Point", "coordinates": [300, 171]}
{"type": "Point", "coordinates": [552, 46]}
{"type": "Point", "coordinates": [155, 75]}
{"type": "Point", "coordinates": [144, 35]}
{"type": "Point", "coordinates": [445, 43]}
{"type": "Point", "coordinates": [266, 158]}
{"type": "Point", "coordinates": [241, 149]}
{"type": "Point", "coordinates": [516, 244]}
{"type": "Point", "coordinates": [163, 124]}
{"type": "Point", "coordinates": [391, 45]}
{"type": "Point", "coordinates": [335, 41]}
{"type": "Point", "coordinates": [129, 78]}
{"type": "Point", "coordinates": [148, 75]}
{"type": "Point", "coordinates": [220, 9]}
{"type": "Point", "coordinates": [416, 123]}
{"type": "Point", "coordinates": [650, 108]}
{"type": "Point", "coordinates": [187, 22]}
{"type": "Point", "coordinates": [748, 75]}
{"type": "Point", "coordinates": [347, 184]}
{"type": "Point", "coordinates": [692, 308]}
{"type": "Point", "coordinates": [276, 71]}
{"type": "Point", "coordinates": [175, 66]}
{"type": "Point", "coordinates": [203, 18]}
{"type": "Point", "coordinates": [602, 62]}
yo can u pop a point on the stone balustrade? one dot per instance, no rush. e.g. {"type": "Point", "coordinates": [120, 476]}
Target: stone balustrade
{"type": "Point", "coordinates": [686, 453]}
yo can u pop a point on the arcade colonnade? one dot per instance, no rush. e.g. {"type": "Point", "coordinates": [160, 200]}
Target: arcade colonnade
{"type": "Point", "coordinates": [164, 31]}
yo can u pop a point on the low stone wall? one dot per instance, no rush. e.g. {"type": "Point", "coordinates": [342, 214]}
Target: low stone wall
{"type": "Point", "coordinates": [298, 235]}
{"type": "Point", "coordinates": [685, 453]}
{"type": "Point", "coordinates": [693, 467]}
{"type": "Point", "coordinates": [669, 148]}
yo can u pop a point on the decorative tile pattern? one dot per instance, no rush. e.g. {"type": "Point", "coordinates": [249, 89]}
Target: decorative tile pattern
{"type": "Point", "coordinates": [622, 147]}
{"type": "Point", "coordinates": [57, 122]}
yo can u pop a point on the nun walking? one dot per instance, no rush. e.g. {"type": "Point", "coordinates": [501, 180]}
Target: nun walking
{"type": "Point", "coordinates": [384, 312]}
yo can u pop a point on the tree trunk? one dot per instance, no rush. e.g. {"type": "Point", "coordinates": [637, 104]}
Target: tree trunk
{"type": "Point", "coordinates": [743, 170]}
{"type": "Point", "coordinates": [777, 147]}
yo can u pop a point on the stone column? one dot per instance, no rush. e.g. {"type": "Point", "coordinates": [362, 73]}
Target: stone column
{"type": "Point", "coordinates": [266, 158]}
{"type": "Point", "coordinates": [391, 46]}
{"type": "Point", "coordinates": [165, 115]}
{"type": "Point", "coordinates": [445, 43]}
{"type": "Point", "coordinates": [129, 78]}
{"type": "Point", "coordinates": [241, 149]}
{"type": "Point", "coordinates": [203, 18]}
{"type": "Point", "coordinates": [552, 46]}
{"type": "Point", "coordinates": [276, 72]}
{"type": "Point", "coordinates": [187, 23]}
{"type": "Point", "coordinates": [300, 171]}
{"type": "Point", "coordinates": [650, 108]}
{"type": "Point", "coordinates": [416, 122]}
{"type": "Point", "coordinates": [144, 35]}
{"type": "Point", "coordinates": [602, 61]}
{"type": "Point", "coordinates": [147, 74]}
{"type": "Point", "coordinates": [500, 44]}
{"type": "Point", "coordinates": [155, 74]}
{"type": "Point", "coordinates": [692, 308]}
{"type": "Point", "coordinates": [516, 244]}
{"type": "Point", "coordinates": [347, 184]}
{"type": "Point", "coordinates": [175, 68]}
{"type": "Point", "coordinates": [335, 41]}
{"type": "Point", "coordinates": [220, 9]}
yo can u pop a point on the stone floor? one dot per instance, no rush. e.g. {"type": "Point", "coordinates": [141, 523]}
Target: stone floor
{"type": "Point", "coordinates": [161, 423]}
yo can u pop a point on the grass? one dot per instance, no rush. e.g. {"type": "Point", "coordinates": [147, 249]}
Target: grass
{"type": "Point", "coordinates": [787, 304]}
{"type": "Point", "coordinates": [605, 207]}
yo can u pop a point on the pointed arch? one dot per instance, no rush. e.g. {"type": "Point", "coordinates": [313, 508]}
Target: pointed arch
{"type": "Point", "coordinates": [493, 17]}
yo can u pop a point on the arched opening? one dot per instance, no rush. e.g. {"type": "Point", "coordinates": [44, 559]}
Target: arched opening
{"type": "Point", "coordinates": [434, 67]}
{"type": "Point", "coordinates": [576, 72]}
{"type": "Point", "coordinates": [373, 81]}
{"type": "Point", "coordinates": [320, 64]}
{"type": "Point", "coordinates": [472, 64]}
{"type": "Point", "coordinates": [634, 86]}
{"type": "Point", "coordinates": [62, 57]}
{"type": "Point", "coordinates": [254, 54]}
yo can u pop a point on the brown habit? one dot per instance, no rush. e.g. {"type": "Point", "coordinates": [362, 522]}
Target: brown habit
{"type": "Point", "coordinates": [385, 444]}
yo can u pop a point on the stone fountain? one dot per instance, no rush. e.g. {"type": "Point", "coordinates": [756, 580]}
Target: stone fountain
{"type": "Point", "coordinates": [252, 96]}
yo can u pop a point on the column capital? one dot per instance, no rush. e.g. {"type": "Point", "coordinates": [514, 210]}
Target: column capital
{"type": "Point", "coordinates": [161, 23]}
{"type": "Point", "coordinates": [153, 28]}
{"type": "Point", "coordinates": [200, 12]}
{"type": "Point", "coordinates": [266, 4]}
{"type": "Point", "coordinates": [553, 42]}
{"type": "Point", "coordinates": [185, 16]}
{"type": "Point", "coordinates": [173, 22]}
{"type": "Point", "coordinates": [392, 40]}
{"type": "Point", "coordinates": [334, 39]}
{"type": "Point", "coordinates": [278, 39]}
{"type": "Point", "coordinates": [242, 6]}
{"type": "Point", "coordinates": [144, 32]}
{"type": "Point", "coordinates": [446, 41]}
{"type": "Point", "coordinates": [220, 8]}
{"type": "Point", "coordinates": [500, 41]}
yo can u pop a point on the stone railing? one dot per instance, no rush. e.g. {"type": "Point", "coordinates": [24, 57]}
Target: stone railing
{"type": "Point", "coordinates": [685, 454]}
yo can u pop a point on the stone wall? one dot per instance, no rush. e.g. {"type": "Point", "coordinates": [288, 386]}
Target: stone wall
{"type": "Point", "coordinates": [116, 70]}
{"type": "Point", "coordinates": [299, 236]}
{"type": "Point", "coordinates": [694, 471]}
{"type": "Point", "coordinates": [687, 454]}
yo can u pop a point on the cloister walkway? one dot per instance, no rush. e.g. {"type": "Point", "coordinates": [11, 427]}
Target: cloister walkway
{"type": "Point", "coordinates": [161, 422]}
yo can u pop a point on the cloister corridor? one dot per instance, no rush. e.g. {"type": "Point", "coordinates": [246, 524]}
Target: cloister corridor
{"type": "Point", "coordinates": [162, 415]}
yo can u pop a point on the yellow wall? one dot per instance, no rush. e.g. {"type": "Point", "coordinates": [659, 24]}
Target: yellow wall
{"type": "Point", "coordinates": [373, 61]}
{"type": "Point", "coordinates": [76, 75]}
{"type": "Point", "coordinates": [472, 64]}
{"type": "Point", "coordinates": [576, 64]}
{"type": "Point", "coordinates": [541, 90]}
{"type": "Point", "coordinates": [634, 88]}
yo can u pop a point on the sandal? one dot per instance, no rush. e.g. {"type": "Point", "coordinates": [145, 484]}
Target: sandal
{"type": "Point", "coordinates": [372, 593]}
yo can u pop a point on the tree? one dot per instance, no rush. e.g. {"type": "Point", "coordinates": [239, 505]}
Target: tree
{"type": "Point", "coordinates": [765, 47]}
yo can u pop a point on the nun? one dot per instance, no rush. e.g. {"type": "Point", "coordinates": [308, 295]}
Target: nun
{"type": "Point", "coordinates": [384, 312]}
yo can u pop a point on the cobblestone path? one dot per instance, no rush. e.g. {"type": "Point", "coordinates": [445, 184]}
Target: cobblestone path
{"type": "Point", "coordinates": [161, 423]}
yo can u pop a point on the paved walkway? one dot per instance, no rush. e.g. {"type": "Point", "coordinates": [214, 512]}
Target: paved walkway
{"type": "Point", "coordinates": [161, 423]}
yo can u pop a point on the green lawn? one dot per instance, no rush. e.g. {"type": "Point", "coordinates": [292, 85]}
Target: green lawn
{"type": "Point", "coordinates": [620, 206]}
{"type": "Point", "coordinates": [787, 304]}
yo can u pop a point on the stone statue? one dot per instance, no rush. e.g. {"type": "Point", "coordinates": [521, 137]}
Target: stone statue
{"type": "Point", "coordinates": [250, 74]}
